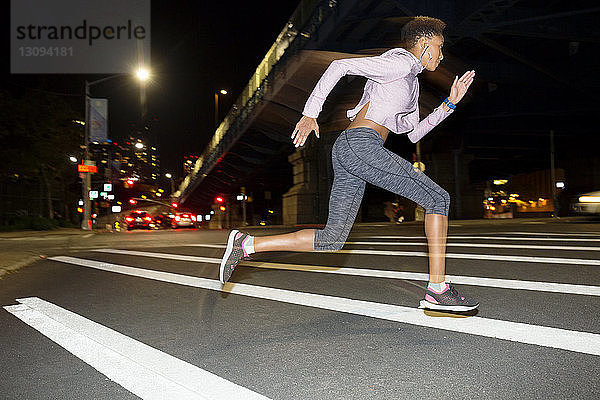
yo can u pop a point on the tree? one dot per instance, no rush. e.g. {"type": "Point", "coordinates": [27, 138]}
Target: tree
{"type": "Point", "coordinates": [37, 135]}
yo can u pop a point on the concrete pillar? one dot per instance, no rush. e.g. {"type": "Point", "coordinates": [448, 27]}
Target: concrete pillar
{"type": "Point", "coordinates": [307, 201]}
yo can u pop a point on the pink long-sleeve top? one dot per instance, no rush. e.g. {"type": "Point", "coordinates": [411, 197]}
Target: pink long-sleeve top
{"type": "Point", "coordinates": [392, 91]}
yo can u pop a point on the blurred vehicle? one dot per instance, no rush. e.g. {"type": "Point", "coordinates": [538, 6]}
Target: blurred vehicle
{"type": "Point", "coordinates": [183, 220]}
{"type": "Point", "coordinates": [138, 219]}
{"type": "Point", "coordinates": [164, 220]}
{"type": "Point", "coordinates": [587, 203]}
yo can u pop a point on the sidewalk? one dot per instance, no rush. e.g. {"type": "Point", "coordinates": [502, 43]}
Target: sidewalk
{"type": "Point", "coordinates": [21, 248]}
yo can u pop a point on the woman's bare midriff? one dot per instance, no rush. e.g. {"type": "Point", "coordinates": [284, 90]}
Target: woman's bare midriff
{"type": "Point", "coordinates": [361, 122]}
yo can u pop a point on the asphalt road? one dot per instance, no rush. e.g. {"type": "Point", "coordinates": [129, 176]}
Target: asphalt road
{"type": "Point", "coordinates": [141, 314]}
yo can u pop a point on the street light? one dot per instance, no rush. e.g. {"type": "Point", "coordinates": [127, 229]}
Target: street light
{"type": "Point", "coordinates": [223, 92]}
{"type": "Point", "coordinates": [86, 222]}
{"type": "Point", "coordinates": [170, 177]}
{"type": "Point", "coordinates": [143, 74]}
{"type": "Point", "coordinates": [73, 159]}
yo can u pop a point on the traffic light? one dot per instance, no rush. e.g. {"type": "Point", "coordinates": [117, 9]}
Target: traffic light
{"type": "Point", "coordinates": [174, 205]}
{"type": "Point", "coordinates": [222, 208]}
{"type": "Point", "coordinates": [132, 201]}
{"type": "Point", "coordinates": [219, 199]}
{"type": "Point", "coordinates": [79, 209]}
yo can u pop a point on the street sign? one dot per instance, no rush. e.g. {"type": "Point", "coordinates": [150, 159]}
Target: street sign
{"type": "Point", "coordinates": [93, 194]}
{"type": "Point", "coordinates": [108, 187]}
{"type": "Point", "coordinates": [87, 168]}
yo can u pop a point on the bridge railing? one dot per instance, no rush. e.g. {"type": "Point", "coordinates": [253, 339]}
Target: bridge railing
{"type": "Point", "coordinates": [304, 22]}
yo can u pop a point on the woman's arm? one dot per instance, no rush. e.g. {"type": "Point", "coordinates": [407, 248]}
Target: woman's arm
{"type": "Point", "coordinates": [457, 92]}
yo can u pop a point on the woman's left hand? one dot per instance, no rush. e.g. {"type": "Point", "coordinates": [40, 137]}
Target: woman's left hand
{"type": "Point", "coordinates": [460, 86]}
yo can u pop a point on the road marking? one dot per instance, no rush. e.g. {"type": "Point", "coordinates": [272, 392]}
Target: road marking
{"type": "Point", "coordinates": [553, 233]}
{"type": "Point", "coordinates": [485, 238]}
{"type": "Point", "coordinates": [565, 288]}
{"type": "Point", "coordinates": [485, 245]}
{"type": "Point", "coordinates": [581, 342]}
{"type": "Point", "coordinates": [461, 256]}
{"type": "Point", "coordinates": [143, 370]}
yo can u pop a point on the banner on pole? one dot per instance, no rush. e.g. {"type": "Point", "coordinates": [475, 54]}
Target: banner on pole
{"type": "Point", "coordinates": [98, 120]}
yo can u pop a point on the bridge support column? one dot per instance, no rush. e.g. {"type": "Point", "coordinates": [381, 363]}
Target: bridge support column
{"type": "Point", "coordinates": [307, 201]}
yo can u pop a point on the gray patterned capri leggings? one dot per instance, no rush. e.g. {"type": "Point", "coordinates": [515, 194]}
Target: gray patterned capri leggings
{"type": "Point", "coordinates": [358, 156]}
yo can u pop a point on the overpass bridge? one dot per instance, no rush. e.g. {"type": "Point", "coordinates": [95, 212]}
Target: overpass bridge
{"type": "Point", "coordinates": [513, 45]}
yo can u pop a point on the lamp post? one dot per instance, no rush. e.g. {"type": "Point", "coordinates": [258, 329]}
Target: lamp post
{"type": "Point", "coordinates": [170, 177]}
{"type": "Point", "coordinates": [86, 223]}
{"type": "Point", "coordinates": [222, 91]}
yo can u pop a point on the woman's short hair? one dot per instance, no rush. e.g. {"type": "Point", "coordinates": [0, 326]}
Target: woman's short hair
{"type": "Point", "coordinates": [419, 27]}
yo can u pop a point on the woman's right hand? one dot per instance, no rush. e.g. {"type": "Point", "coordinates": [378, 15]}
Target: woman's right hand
{"type": "Point", "coordinates": [303, 128]}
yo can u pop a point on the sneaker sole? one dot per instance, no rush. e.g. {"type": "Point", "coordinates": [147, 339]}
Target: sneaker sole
{"type": "Point", "coordinates": [432, 306]}
{"type": "Point", "coordinates": [228, 251]}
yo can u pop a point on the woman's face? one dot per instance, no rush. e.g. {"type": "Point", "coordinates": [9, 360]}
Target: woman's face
{"type": "Point", "coordinates": [431, 51]}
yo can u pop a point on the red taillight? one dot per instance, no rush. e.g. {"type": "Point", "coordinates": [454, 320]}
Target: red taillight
{"type": "Point", "coordinates": [128, 219]}
{"type": "Point", "coordinates": [147, 219]}
{"type": "Point", "coordinates": [177, 218]}
{"type": "Point", "coordinates": [193, 218]}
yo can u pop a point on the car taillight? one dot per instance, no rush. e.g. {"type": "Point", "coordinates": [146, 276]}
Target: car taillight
{"type": "Point", "coordinates": [128, 219]}
{"type": "Point", "coordinates": [193, 218]}
{"type": "Point", "coordinates": [147, 219]}
{"type": "Point", "coordinates": [177, 218]}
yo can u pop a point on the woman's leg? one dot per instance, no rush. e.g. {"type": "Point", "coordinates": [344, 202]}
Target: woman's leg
{"type": "Point", "coordinates": [344, 201]}
{"type": "Point", "coordinates": [436, 229]}
{"type": "Point", "coordinates": [302, 240]}
{"type": "Point", "coordinates": [369, 160]}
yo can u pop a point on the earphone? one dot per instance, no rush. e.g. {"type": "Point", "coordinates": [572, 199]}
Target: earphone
{"type": "Point", "coordinates": [423, 53]}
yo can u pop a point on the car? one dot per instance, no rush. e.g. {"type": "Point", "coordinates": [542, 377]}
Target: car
{"type": "Point", "coordinates": [164, 220]}
{"type": "Point", "coordinates": [183, 220]}
{"type": "Point", "coordinates": [587, 203]}
{"type": "Point", "coordinates": [138, 219]}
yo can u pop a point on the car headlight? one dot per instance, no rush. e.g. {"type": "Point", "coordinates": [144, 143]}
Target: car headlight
{"type": "Point", "coordinates": [589, 199]}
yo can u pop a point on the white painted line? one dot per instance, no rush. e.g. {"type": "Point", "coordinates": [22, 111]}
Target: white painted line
{"type": "Point", "coordinates": [485, 245]}
{"type": "Point", "coordinates": [565, 288]}
{"type": "Point", "coordinates": [481, 245]}
{"type": "Point", "coordinates": [561, 239]}
{"type": "Point", "coordinates": [581, 342]}
{"type": "Point", "coordinates": [553, 233]}
{"type": "Point", "coordinates": [531, 259]}
{"type": "Point", "coordinates": [462, 256]}
{"type": "Point", "coordinates": [144, 371]}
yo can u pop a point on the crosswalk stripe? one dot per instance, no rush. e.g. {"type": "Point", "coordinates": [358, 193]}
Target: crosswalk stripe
{"type": "Point", "coordinates": [568, 234]}
{"type": "Point", "coordinates": [582, 342]}
{"type": "Point", "coordinates": [449, 244]}
{"type": "Point", "coordinates": [491, 257]}
{"type": "Point", "coordinates": [143, 370]}
{"type": "Point", "coordinates": [461, 256]}
{"type": "Point", "coordinates": [485, 245]}
{"type": "Point", "coordinates": [516, 238]}
{"type": "Point", "coordinates": [565, 288]}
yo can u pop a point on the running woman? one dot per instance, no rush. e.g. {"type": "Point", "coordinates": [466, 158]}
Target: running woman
{"type": "Point", "coordinates": [389, 104]}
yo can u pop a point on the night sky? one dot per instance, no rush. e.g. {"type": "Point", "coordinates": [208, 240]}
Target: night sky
{"type": "Point", "coordinates": [197, 47]}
